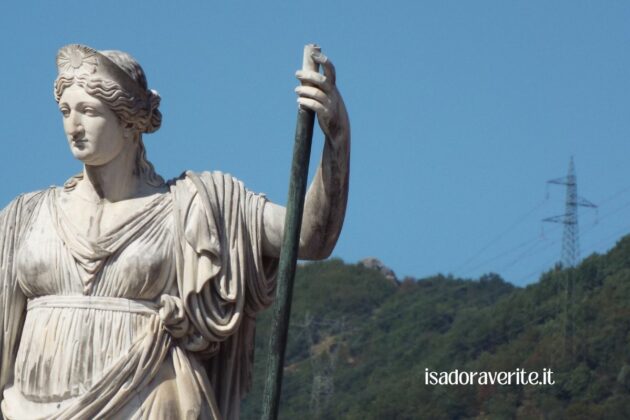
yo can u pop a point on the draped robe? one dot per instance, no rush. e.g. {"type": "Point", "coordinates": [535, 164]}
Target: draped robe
{"type": "Point", "coordinates": [154, 319]}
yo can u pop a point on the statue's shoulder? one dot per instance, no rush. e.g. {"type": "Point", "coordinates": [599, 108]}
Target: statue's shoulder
{"type": "Point", "coordinates": [30, 200]}
{"type": "Point", "coordinates": [36, 196]}
{"type": "Point", "coordinates": [213, 193]}
{"type": "Point", "coordinates": [19, 212]}
{"type": "Point", "coordinates": [204, 182]}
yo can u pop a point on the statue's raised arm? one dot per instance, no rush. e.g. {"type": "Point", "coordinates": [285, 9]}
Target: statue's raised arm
{"type": "Point", "coordinates": [326, 200]}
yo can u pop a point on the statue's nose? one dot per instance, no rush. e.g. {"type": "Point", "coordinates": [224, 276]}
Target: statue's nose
{"type": "Point", "coordinates": [77, 133]}
{"type": "Point", "coordinates": [76, 130]}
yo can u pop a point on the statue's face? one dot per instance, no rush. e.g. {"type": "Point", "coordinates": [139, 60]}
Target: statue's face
{"type": "Point", "coordinates": [94, 132]}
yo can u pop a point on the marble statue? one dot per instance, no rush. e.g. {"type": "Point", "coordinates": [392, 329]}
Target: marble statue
{"type": "Point", "coordinates": [126, 296]}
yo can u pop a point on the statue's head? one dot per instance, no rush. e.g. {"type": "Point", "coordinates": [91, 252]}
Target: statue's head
{"type": "Point", "coordinates": [117, 80]}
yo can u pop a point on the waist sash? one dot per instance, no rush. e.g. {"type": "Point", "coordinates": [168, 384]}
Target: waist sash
{"type": "Point", "coordinates": [102, 303]}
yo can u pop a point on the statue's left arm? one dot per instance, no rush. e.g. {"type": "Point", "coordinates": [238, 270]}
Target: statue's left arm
{"type": "Point", "coordinates": [327, 196]}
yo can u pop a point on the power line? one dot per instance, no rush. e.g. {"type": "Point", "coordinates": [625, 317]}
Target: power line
{"type": "Point", "coordinates": [466, 265]}
{"type": "Point", "coordinates": [528, 252]}
{"type": "Point", "coordinates": [493, 241]}
{"type": "Point", "coordinates": [586, 230]}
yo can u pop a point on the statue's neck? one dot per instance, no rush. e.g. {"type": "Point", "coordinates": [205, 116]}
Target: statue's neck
{"type": "Point", "coordinates": [112, 182]}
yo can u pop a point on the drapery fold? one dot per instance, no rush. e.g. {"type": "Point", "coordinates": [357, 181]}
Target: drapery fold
{"type": "Point", "coordinates": [14, 220]}
{"type": "Point", "coordinates": [223, 278]}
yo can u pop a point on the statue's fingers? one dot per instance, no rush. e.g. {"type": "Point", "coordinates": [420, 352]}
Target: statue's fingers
{"type": "Point", "coordinates": [329, 67]}
{"type": "Point", "coordinates": [314, 78]}
{"type": "Point", "coordinates": [313, 105]}
{"type": "Point", "coordinates": [313, 93]}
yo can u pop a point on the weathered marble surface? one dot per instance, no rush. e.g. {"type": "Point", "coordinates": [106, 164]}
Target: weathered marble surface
{"type": "Point", "coordinates": [125, 296]}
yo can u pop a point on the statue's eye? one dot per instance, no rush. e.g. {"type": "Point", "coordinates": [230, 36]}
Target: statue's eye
{"type": "Point", "coordinates": [89, 111]}
{"type": "Point", "coordinates": [64, 111]}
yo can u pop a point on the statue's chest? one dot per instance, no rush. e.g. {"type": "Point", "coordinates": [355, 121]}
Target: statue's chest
{"type": "Point", "coordinates": [134, 259]}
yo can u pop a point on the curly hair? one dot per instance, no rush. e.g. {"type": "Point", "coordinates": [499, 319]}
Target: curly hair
{"type": "Point", "coordinates": [142, 116]}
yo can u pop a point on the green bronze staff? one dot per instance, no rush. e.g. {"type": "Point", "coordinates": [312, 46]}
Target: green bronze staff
{"type": "Point", "coordinates": [289, 252]}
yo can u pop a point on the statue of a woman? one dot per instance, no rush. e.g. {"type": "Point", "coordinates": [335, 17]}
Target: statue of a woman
{"type": "Point", "coordinates": [125, 296]}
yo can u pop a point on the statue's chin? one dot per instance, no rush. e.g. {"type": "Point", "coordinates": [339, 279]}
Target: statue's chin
{"type": "Point", "coordinates": [83, 151]}
{"type": "Point", "coordinates": [85, 156]}
{"type": "Point", "coordinates": [80, 154]}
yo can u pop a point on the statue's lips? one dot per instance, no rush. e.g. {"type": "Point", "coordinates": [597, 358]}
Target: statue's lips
{"type": "Point", "coordinates": [79, 144]}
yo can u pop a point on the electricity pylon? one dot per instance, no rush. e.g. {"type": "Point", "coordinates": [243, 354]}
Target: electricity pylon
{"type": "Point", "coordinates": [570, 236]}
{"type": "Point", "coordinates": [570, 256]}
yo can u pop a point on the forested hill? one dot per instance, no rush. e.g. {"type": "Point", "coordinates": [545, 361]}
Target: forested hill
{"type": "Point", "coordinates": [359, 344]}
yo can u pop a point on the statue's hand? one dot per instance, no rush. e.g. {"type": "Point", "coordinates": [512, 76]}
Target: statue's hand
{"type": "Point", "coordinates": [319, 93]}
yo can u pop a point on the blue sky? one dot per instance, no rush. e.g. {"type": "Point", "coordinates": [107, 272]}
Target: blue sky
{"type": "Point", "coordinates": [460, 112]}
